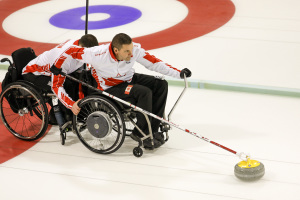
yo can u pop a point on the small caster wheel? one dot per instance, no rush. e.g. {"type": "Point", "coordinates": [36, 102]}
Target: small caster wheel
{"type": "Point", "coordinates": [137, 152]}
{"type": "Point", "coordinates": [62, 138]}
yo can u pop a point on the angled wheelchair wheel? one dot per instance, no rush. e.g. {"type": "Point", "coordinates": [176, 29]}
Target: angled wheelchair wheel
{"type": "Point", "coordinates": [99, 125]}
{"type": "Point", "coordinates": [23, 111]}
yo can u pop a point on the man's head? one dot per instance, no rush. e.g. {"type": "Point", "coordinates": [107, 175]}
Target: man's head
{"type": "Point", "coordinates": [88, 40]}
{"type": "Point", "coordinates": [122, 46]}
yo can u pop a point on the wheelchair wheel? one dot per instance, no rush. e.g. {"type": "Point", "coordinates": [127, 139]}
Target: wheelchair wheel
{"type": "Point", "coordinates": [99, 125]}
{"type": "Point", "coordinates": [23, 111]}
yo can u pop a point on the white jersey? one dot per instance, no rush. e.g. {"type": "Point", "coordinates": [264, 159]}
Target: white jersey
{"type": "Point", "coordinates": [41, 66]}
{"type": "Point", "coordinates": [108, 71]}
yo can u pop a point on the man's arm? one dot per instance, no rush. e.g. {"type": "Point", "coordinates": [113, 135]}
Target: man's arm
{"type": "Point", "coordinates": [58, 80]}
{"type": "Point", "coordinates": [59, 90]}
{"type": "Point", "coordinates": [85, 55]}
{"type": "Point", "coordinates": [154, 64]}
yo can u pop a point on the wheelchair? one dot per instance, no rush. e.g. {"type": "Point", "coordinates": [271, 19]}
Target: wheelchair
{"type": "Point", "coordinates": [101, 124]}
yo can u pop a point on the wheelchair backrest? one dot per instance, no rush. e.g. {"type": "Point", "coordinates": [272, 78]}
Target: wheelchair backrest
{"type": "Point", "coordinates": [21, 58]}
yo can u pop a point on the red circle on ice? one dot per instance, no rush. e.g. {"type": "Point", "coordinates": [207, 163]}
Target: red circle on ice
{"type": "Point", "coordinates": [203, 17]}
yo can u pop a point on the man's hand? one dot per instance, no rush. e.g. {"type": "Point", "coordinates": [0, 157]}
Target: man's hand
{"type": "Point", "coordinates": [75, 109]}
{"type": "Point", "coordinates": [185, 72]}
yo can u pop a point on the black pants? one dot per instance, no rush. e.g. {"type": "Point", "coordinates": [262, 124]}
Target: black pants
{"type": "Point", "coordinates": [146, 92]}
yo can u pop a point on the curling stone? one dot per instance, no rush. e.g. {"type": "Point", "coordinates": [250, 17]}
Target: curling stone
{"type": "Point", "coordinates": [249, 170]}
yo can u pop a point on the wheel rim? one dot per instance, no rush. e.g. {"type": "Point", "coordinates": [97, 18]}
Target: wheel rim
{"type": "Point", "coordinates": [24, 116]}
{"type": "Point", "coordinates": [112, 141]}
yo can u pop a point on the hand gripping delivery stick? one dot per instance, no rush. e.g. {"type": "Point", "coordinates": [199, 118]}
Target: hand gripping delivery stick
{"type": "Point", "coordinates": [247, 169]}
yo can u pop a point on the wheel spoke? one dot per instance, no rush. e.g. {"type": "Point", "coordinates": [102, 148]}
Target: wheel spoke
{"type": "Point", "coordinates": [18, 101]}
{"type": "Point", "coordinates": [105, 142]}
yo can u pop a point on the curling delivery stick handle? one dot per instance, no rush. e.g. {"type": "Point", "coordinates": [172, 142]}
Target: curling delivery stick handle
{"type": "Point", "coordinates": [83, 83]}
{"type": "Point", "coordinates": [183, 91]}
{"type": "Point", "coordinates": [151, 114]}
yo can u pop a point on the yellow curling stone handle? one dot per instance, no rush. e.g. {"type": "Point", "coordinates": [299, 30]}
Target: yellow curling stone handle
{"type": "Point", "coordinates": [249, 163]}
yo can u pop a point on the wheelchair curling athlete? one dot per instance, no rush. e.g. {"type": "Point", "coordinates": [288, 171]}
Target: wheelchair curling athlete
{"type": "Point", "coordinates": [38, 72]}
{"type": "Point", "coordinates": [112, 68]}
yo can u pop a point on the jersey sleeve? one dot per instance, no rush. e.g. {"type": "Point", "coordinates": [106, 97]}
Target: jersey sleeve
{"type": "Point", "coordinates": [154, 64]}
{"type": "Point", "coordinates": [84, 55]}
{"type": "Point", "coordinates": [60, 92]}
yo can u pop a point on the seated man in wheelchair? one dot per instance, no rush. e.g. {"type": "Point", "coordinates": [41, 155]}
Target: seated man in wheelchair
{"type": "Point", "coordinates": [112, 68]}
{"type": "Point", "coordinates": [37, 71]}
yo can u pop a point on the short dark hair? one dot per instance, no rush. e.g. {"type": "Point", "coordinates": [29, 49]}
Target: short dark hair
{"type": "Point", "coordinates": [88, 40]}
{"type": "Point", "coordinates": [119, 40]}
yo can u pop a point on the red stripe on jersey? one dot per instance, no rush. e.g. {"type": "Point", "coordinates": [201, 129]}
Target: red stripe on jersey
{"type": "Point", "coordinates": [173, 67]}
{"type": "Point", "coordinates": [37, 68]}
{"type": "Point", "coordinates": [58, 81]}
{"type": "Point", "coordinates": [76, 43]}
{"type": "Point", "coordinates": [60, 61]}
{"type": "Point", "coordinates": [112, 53]}
{"type": "Point", "coordinates": [151, 58]}
{"type": "Point", "coordinates": [154, 60]}
{"type": "Point", "coordinates": [112, 81]}
{"type": "Point", "coordinates": [75, 52]}
{"type": "Point", "coordinates": [94, 74]}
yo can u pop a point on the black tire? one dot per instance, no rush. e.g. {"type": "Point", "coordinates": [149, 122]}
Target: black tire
{"type": "Point", "coordinates": [137, 152]}
{"type": "Point", "coordinates": [110, 141]}
{"type": "Point", "coordinates": [23, 111]}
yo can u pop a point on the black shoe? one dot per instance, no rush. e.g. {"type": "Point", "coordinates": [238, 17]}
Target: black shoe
{"type": "Point", "coordinates": [160, 137]}
{"type": "Point", "coordinates": [148, 145]}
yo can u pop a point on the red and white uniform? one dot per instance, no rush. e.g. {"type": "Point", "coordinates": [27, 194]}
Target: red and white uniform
{"type": "Point", "coordinates": [41, 66]}
{"type": "Point", "coordinates": [108, 71]}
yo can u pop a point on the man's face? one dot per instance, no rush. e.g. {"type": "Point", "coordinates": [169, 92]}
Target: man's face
{"type": "Point", "coordinates": [124, 53]}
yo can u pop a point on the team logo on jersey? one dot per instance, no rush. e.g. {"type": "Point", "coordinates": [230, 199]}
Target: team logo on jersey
{"type": "Point", "coordinates": [127, 90]}
{"type": "Point", "coordinates": [119, 75]}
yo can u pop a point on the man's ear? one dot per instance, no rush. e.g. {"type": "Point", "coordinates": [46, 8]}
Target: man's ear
{"type": "Point", "coordinates": [116, 50]}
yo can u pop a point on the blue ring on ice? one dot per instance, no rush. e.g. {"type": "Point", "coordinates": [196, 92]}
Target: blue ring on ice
{"type": "Point", "coordinates": [119, 15]}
